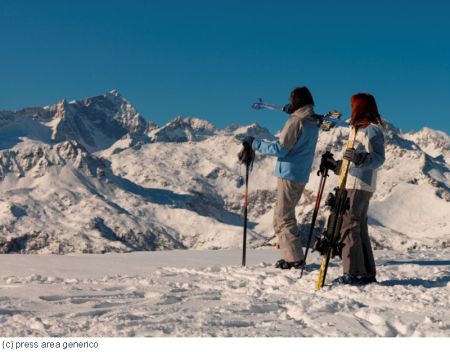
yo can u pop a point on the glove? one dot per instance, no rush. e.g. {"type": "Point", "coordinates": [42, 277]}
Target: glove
{"type": "Point", "coordinates": [288, 108]}
{"type": "Point", "coordinates": [329, 163]}
{"type": "Point", "coordinates": [248, 140]}
{"type": "Point", "coordinates": [247, 155]}
{"type": "Point", "coordinates": [357, 158]}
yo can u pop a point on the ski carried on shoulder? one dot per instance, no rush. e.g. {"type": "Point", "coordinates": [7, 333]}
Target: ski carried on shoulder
{"type": "Point", "coordinates": [328, 245]}
{"type": "Point", "coordinates": [327, 121]}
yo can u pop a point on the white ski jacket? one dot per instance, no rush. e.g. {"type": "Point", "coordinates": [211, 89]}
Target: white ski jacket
{"type": "Point", "coordinates": [369, 140]}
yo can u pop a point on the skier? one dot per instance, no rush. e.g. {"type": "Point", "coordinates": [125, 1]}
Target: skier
{"type": "Point", "coordinates": [295, 152]}
{"type": "Point", "coordinates": [366, 157]}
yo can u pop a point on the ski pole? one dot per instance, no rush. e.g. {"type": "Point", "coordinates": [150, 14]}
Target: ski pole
{"type": "Point", "coordinates": [244, 244]}
{"type": "Point", "coordinates": [323, 178]}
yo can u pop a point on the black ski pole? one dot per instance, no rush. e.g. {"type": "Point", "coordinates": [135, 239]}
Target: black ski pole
{"type": "Point", "coordinates": [244, 244]}
{"type": "Point", "coordinates": [323, 178]}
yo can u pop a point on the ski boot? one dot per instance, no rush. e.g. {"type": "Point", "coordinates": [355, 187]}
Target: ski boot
{"type": "Point", "coordinates": [282, 264]}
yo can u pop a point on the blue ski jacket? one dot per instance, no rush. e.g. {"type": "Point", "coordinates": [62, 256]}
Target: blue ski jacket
{"type": "Point", "coordinates": [295, 147]}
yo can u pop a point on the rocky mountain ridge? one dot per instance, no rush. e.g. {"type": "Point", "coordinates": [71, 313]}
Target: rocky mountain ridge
{"type": "Point", "coordinates": [94, 176]}
{"type": "Point", "coordinates": [94, 122]}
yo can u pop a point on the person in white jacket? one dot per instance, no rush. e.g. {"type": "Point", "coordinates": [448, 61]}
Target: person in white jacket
{"type": "Point", "coordinates": [366, 157]}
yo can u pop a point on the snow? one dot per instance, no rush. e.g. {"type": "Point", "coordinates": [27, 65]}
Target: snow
{"type": "Point", "coordinates": [412, 216]}
{"type": "Point", "coordinates": [431, 141]}
{"type": "Point", "coordinates": [206, 293]}
{"type": "Point", "coordinates": [169, 188]}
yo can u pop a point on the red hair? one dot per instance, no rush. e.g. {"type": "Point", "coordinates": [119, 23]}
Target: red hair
{"type": "Point", "coordinates": [364, 110]}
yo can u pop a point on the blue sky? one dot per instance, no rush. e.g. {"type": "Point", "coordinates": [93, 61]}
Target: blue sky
{"type": "Point", "coordinates": [212, 59]}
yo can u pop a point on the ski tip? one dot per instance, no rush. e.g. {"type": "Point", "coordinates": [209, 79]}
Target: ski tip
{"type": "Point", "coordinates": [256, 106]}
{"type": "Point", "coordinates": [334, 114]}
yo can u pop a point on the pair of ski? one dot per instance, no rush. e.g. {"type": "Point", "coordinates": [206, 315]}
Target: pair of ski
{"type": "Point", "coordinates": [328, 243]}
{"type": "Point", "coordinates": [326, 121]}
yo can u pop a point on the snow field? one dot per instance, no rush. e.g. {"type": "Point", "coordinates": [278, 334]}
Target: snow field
{"type": "Point", "coordinates": [184, 293]}
{"type": "Point", "coordinates": [174, 187]}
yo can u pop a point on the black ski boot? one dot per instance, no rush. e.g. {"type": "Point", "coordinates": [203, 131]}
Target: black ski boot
{"type": "Point", "coordinates": [369, 280]}
{"type": "Point", "coordinates": [282, 264]}
{"type": "Point", "coordinates": [348, 279]}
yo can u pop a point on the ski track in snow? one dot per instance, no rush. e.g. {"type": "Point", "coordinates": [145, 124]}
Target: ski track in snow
{"type": "Point", "coordinates": [139, 295]}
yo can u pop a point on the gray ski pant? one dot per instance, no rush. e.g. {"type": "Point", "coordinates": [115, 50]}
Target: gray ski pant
{"type": "Point", "coordinates": [284, 221]}
{"type": "Point", "coordinates": [357, 255]}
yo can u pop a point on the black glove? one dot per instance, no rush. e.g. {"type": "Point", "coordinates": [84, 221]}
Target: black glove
{"type": "Point", "coordinates": [288, 108]}
{"type": "Point", "coordinates": [357, 158]}
{"type": "Point", "coordinates": [247, 155]}
{"type": "Point", "coordinates": [248, 140]}
{"type": "Point", "coordinates": [329, 163]}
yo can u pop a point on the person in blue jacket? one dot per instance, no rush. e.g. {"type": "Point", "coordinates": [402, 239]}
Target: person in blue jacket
{"type": "Point", "coordinates": [294, 151]}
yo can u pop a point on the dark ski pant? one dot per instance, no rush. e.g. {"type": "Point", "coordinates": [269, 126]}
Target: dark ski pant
{"type": "Point", "coordinates": [284, 221]}
{"type": "Point", "coordinates": [357, 255]}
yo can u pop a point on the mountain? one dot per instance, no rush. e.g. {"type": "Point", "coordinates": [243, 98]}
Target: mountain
{"type": "Point", "coordinates": [95, 122]}
{"type": "Point", "coordinates": [94, 176]}
{"type": "Point", "coordinates": [60, 198]}
{"type": "Point", "coordinates": [183, 130]}
{"type": "Point", "coordinates": [398, 216]}
{"type": "Point", "coordinates": [434, 143]}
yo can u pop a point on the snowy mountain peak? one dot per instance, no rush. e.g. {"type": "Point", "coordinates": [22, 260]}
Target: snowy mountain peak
{"type": "Point", "coordinates": [75, 153]}
{"type": "Point", "coordinates": [254, 130]}
{"type": "Point", "coordinates": [34, 159]}
{"type": "Point", "coordinates": [194, 122]}
{"type": "Point", "coordinates": [183, 130]}
{"type": "Point", "coordinates": [95, 122]}
{"type": "Point", "coordinates": [62, 104]}
{"type": "Point", "coordinates": [114, 92]}
{"type": "Point", "coordinates": [431, 141]}
{"type": "Point", "coordinates": [200, 125]}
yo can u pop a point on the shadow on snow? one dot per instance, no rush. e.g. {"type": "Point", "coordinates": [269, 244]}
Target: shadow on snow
{"type": "Point", "coordinates": [439, 282]}
{"type": "Point", "coordinates": [418, 262]}
{"type": "Point", "coordinates": [208, 206]}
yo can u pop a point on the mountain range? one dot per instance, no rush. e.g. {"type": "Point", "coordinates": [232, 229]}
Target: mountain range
{"type": "Point", "coordinates": [93, 176]}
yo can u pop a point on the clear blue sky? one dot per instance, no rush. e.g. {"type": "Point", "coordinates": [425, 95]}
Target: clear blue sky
{"type": "Point", "coordinates": [212, 59]}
